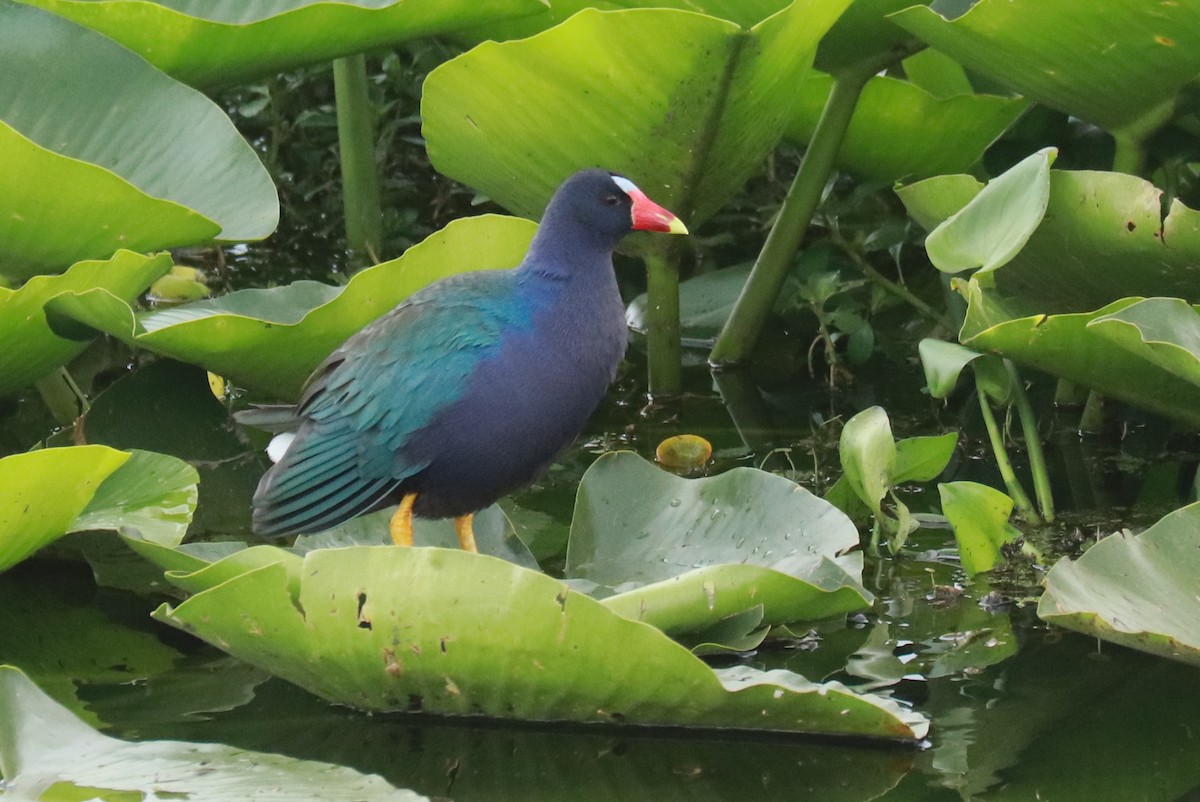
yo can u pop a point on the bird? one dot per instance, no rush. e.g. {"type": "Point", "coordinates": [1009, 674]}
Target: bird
{"type": "Point", "coordinates": [467, 390]}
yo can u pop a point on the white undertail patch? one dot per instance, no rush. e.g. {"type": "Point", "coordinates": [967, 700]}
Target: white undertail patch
{"type": "Point", "coordinates": [279, 445]}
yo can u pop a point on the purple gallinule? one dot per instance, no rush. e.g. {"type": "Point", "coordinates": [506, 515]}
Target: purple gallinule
{"type": "Point", "coordinates": [468, 389]}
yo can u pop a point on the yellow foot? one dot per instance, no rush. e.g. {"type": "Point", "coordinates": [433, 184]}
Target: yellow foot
{"type": "Point", "coordinates": [401, 523]}
{"type": "Point", "coordinates": [466, 534]}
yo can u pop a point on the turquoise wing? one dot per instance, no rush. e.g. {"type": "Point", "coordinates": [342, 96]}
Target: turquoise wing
{"type": "Point", "coordinates": [388, 381]}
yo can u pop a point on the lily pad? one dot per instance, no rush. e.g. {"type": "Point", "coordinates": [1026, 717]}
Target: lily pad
{"type": "Point", "coordinates": [54, 491]}
{"type": "Point", "coordinates": [888, 138]}
{"type": "Point", "coordinates": [444, 631]}
{"type": "Point", "coordinates": [205, 44]}
{"type": "Point", "coordinates": [1113, 65]}
{"type": "Point", "coordinates": [34, 349]}
{"type": "Point", "coordinates": [270, 340]}
{"type": "Point", "coordinates": [1141, 591]}
{"type": "Point", "coordinates": [683, 554]}
{"type": "Point", "coordinates": [686, 105]}
{"type": "Point", "coordinates": [149, 162]}
{"type": "Point", "coordinates": [48, 753]}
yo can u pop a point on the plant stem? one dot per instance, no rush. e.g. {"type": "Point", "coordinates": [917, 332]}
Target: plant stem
{"type": "Point", "coordinates": [1033, 444]}
{"type": "Point", "coordinates": [892, 287]}
{"type": "Point", "coordinates": [750, 312]}
{"type": "Point", "coordinates": [62, 396]}
{"type": "Point", "coordinates": [1015, 491]}
{"type": "Point", "coordinates": [356, 140]}
{"type": "Point", "coordinates": [662, 323]}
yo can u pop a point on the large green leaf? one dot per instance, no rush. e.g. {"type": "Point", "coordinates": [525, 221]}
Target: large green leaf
{"type": "Point", "coordinates": [1141, 591]}
{"type": "Point", "coordinates": [1165, 331]}
{"type": "Point", "coordinates": [1068, 347]}
{"type": "Point", "coordinates": [444, 631]}
{"type": "Point", "coordinates": [102, 151]}
{"type": "Point", "coordinates": [686, 105]}
{"type": "Point", "coordinates": [270, 340]}
{"type": "Point", "coordinates": [205, 43]}
{"type": "Point", "coordinates": [979, 516]}
{"type": "Point", "coordinates": [863, 33]}
{"type": "Point", "coordinates": [1103, 237]}
{"type": "Point", "coordinates": [33, 350]}
{"type": "Point", "coordinates": [682, 554]}
{"type": "Point", "coordinates": [889, 134]}
{"type": "Point", "coordinates": [1115, 62]}
{"type": "Point", "coordinates": [47, 753]}
{"type": "Point", "coordinates": [54, 491]}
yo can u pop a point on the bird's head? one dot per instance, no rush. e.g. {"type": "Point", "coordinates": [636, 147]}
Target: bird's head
{"type": "Point", "coordinates": [610, 205]}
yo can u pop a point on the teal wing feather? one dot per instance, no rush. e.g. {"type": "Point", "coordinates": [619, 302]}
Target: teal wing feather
{"type": "Point", "coordinates": [371, 395]}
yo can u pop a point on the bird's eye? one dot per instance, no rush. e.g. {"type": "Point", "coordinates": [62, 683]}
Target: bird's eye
{"type": "Point", "coordinates": [611, 200]}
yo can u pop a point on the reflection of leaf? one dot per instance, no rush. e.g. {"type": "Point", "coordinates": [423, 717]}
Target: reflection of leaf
{"type": "Point", "coordinates": [47, 753]}
{"type": "Point", "coordinates": [32, 349]}
{"type": "Point", "coordinates": [149, 162]}
{"type": "Point", "coordinates": [444, 631]}
{"type": "Point", "coordinates": [682, 554]}
{"type": "Point", "coordinates": [1140, 591]}
{"type": "Point", "coordinates": [272, 339]}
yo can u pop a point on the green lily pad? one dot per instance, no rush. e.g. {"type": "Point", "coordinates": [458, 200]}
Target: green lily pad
{"type": "Point", "coordinates": [270, 340]}
{"type": "Point", "coordinates": [861, 34]}
{"type": "Point", "coordinates": [38, 350]}
{"type": "Point", "coordinates": [1141, 591]}
{"type": "Point", "coordinates": [54, 491]}
{"type": "Point", "coordinates": [1114, 64]}
{"type": "Point", "coordinates": [444, 631]}
{"type": "Point", "coordinates": [888, 138]}
{"type": "Point", "coordinates": [48, 753]}
{"type": "Point", "coordinates": [105, 152]}
{"type": "Point", "coordinates": [979, 515]}
{"type": "Point", "coordinates": [686, 105]}
{"type": "Point", "coordinates": [683, 554]}
{"type": "Point", "coordinates": [205, 44]}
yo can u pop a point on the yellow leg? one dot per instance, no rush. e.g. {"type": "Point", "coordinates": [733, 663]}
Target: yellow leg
{"type": "Point", "coordinates": [466, 534]}
{"type": "Point", "coordinates": [401, 524]}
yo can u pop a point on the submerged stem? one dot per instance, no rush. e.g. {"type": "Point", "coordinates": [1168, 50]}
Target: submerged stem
{"type": "Point", "coordinates": [1033, 444]}
{"type": "Point", "coordinates": [662, 323]}
{"type": "Point", "coordinates": [1015, 491]}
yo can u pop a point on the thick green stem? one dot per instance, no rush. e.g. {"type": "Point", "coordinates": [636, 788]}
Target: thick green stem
{"type": "Point", "coordinates": [1033, 444]}
{"type": "Point", "coordinates": [62, 396]}
{"type": "Point", "coordinates": [1015, 491]}
{"type": "Point", "coordinates": [662, 323]}
{"type": "Point", "coordinates": [750, 312]}
{"type": "Point", "coordinates": [356, 139]}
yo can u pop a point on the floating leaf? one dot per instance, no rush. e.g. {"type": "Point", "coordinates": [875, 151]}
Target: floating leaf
{"type": "Point", "coordinates": [682, 554]}
{"type": "Point", "coordinates": [270, 340]}
{"type": "Point", "coordinates": [48, 753]}
{"type": "Point", "coordinates": [149, 163]}
{"type": "Point", "coordinates": [34, 350]}
{"type": "Point", "coordinates": [444, 631]}
{"type": "Point", "coordinates": [54, 491]}
{"type": "Point", "coordinates": [979, 515]}
{"type": "Point", "coordinates": [1141, 591]}
{"type": "Point", "coordinates": [205, 44]}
